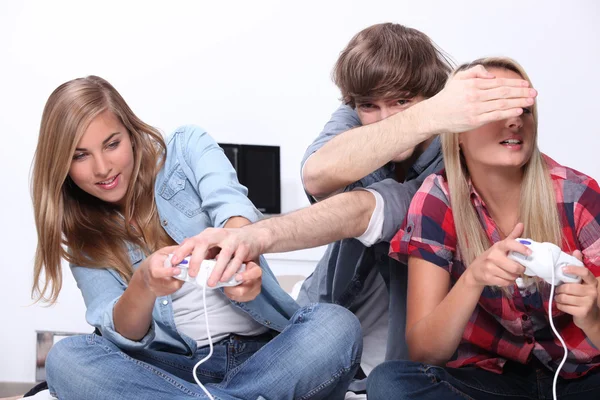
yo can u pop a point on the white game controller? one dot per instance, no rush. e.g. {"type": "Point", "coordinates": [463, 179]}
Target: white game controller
{"type": "Point", "coordinates": [544, 258]}
{"type": "Point", "coordinates": [206, 269]}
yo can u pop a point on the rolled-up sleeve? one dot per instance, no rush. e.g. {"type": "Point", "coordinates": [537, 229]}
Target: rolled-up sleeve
{"type": "Point", "coordinates": [396, 199]}
{"type": "Point", "coordinates": [101, 289]}
{"type": "Point", "coordinates": [428, 231]}
{"type": "Point", "coordinates": [215, 179]}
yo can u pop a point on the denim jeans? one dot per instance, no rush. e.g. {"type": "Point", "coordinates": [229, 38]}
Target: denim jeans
{"type": "Point", "coordinates": [394, 380]}
{"type": "Point", "coordinates": [315, 357]}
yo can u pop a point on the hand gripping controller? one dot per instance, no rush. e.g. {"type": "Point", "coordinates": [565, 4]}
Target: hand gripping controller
{"type": "Point", "coordinates": [544, 258]}
{"type": "Point", "coordinates": [206, 269]}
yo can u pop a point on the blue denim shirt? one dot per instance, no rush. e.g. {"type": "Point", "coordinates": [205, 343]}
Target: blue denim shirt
{"type": "Point", "coordinates": [197, 188]}
{"type": "Point", "coordinates": [340, 275]}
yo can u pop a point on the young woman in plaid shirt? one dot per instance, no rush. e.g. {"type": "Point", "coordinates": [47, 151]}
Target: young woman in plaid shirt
{"type": "Point", "coordinates": [474, 330]}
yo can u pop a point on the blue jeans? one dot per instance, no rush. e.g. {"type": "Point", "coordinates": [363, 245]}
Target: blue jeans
{"type": "Point", "coordinates": [410, 380]}
{"type": "Point", "coordinates": [315, 357]}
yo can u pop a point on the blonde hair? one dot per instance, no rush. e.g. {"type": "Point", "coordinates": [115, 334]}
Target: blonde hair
{"type": "Point", "coordinates": [72, 224]}
{"type": "Point", "coordinates": [538, 210]}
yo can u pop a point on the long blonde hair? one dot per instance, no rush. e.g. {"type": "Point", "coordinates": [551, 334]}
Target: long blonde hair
{"type": "Point", "coordinates": [72, 224]}
{"type": "Point", "coordinates": [538, 209]}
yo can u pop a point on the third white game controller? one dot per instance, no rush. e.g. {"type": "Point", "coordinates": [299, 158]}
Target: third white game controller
{"type": "Point", "coordinates": [206, 269]}
{"type": "Point", "coordinates": [544, 258]}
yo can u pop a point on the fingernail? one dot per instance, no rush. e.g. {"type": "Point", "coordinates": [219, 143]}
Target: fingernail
{"type": "Point", "coordinates": [532, 92]}
{"type": "Point", "coordinates": [176, 271]}
{"type": "Point", "coordinates": [174, 260]}
{"type": "Point", "coordinates": [529, 252]}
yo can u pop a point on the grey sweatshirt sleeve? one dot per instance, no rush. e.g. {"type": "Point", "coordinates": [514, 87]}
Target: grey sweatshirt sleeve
{"type": "Point", "coordinates": [397, 197]}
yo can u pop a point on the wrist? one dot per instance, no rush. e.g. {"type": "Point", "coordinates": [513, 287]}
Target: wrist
{"type": "Point", "coordinates": [423, 119]}
{"type": "Point", "coordinates": [264, 236]}
{"type": "Point", "coordinates": [470, 282]}
{"type": "Point", "coordinates": [590, 325]}
{"type": "Point", "coordinates": [139, 282]}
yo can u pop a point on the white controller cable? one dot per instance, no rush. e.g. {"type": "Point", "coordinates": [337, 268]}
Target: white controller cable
{"type": "Point", "coordinates": [210, 344]}
{"type": "Point", "coordinates": [557, 335]}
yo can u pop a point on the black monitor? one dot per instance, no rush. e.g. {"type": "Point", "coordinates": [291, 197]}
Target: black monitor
{"type": "Point", "coordinates": [258, 169]}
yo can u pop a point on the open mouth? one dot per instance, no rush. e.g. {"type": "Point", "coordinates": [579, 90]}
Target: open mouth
{"type": "Point", "coordinates": [109, 183]}
{"type": "Point", "coordinates": [512, 142]}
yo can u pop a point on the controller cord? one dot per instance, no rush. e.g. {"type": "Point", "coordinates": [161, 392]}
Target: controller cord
{"type": "Point", "coordinates": [564, 359]}
{"type": "Point", "coordinates": [210, 344]}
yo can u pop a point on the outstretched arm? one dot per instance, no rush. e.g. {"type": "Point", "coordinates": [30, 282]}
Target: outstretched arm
{"type": "Point", "coordinates": [341, 216]}
{"type": "Point", "coordinates": [471, 99]}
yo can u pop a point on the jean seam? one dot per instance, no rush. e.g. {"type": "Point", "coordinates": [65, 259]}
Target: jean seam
{"type": "Point", "coordinates": [91, 341]}
{"type": "Point", "coordinates": [161, 374]}
{"type": "Point", "coordinates": [327, 383]}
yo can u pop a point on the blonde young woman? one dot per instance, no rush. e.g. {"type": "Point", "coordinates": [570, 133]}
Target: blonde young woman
{"type": "Point", "coordinates": [113, 199]}
{"type": "Point", "coordinates": [474, 330]}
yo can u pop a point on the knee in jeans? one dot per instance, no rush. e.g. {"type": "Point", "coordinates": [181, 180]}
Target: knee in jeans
{"type": "Point", "coordinates": [61, 359]}
{"type": "Point", "coordinates": [338, 321]}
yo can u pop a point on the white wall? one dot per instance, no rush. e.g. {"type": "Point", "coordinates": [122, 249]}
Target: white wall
{"type": "Point", "coordinates": [254, 72]}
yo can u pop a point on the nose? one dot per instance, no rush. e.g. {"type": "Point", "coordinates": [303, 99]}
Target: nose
{"type": "Point", "coordinates": [514, 123]}
{"type": "Point", "coordinates": [385, 112]}
{"type": "Point", "coordinates": [101, 166]}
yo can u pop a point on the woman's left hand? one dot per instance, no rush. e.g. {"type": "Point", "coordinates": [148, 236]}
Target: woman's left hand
{"type": "Point", "coordinates": [251, 284]}
{"type": "Point", "coordinates": [579, 299]}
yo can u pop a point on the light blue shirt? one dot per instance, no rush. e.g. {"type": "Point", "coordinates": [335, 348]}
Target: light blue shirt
{"type": "Point", "coordinates": [197, 188]}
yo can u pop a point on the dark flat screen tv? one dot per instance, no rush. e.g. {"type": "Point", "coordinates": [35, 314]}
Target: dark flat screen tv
{"type": "Point", "coordinates": [258, 168]}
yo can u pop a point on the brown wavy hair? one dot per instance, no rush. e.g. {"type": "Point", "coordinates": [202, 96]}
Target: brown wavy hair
{"type": "Point", "coordinates": [390, 61]}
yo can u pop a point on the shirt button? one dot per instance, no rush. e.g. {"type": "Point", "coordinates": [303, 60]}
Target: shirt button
{"type": "Point", "coordinates": [524, 317]}
{"type": "Point", "coordinates": [409, 229]}
{"type": "Point", "coordinates": [165, 302]}
{"type": "Point", "coordinates": [268, 323]}
{"type": "Point", "coordinates": [165, 222]}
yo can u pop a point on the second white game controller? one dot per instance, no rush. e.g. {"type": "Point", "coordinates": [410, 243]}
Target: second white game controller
{"type": "Point", "coordinates": [544, 258]}
{"type": "Point", "coordinates": [206, 269]}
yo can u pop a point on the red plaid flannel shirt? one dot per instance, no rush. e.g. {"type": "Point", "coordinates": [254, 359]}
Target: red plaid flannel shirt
{"type": "Point", "coordinates": [517, 327]}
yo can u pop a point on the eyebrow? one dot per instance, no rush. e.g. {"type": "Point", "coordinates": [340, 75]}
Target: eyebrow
{"type": "Point", "coordinates": [103, 142]}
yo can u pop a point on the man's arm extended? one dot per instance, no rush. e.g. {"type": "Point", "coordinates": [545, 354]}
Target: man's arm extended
{"type": "Point", "coordinates": [471, 98]}
{"type": "Point", "coordinates": [342, 216]}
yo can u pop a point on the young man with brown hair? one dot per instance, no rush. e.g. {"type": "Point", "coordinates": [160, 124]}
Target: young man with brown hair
{"type": "Point", "coordinates": [384, 70]}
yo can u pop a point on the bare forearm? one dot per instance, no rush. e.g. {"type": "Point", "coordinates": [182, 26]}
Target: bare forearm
{"type": "Point", "coordinates": [434, 339]}
{"type": "Point", "coordinates": [345, 215]}
{"type": "Point", "coordinates": [356, 153]}
{"type": "Point", "coordinates": [133, 312]}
